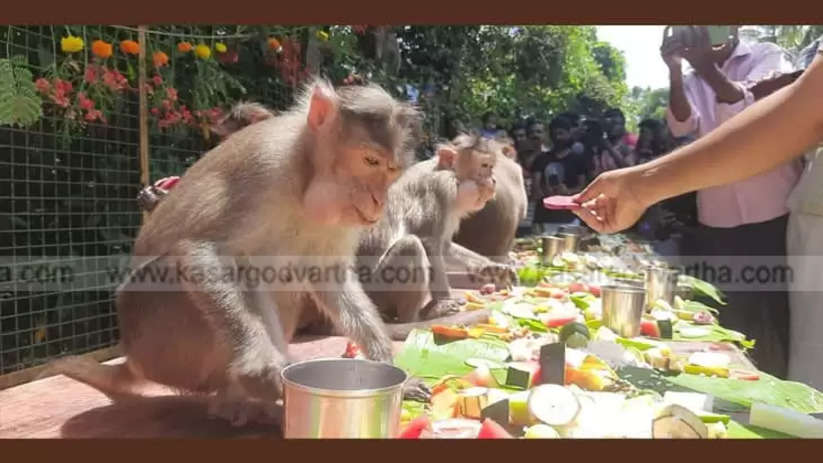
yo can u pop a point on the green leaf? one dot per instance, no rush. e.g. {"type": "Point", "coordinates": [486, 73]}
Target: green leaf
{"type": "Point", "coordinates": [767, 389]}
{"type": "Point", "coordinates": [422, 357]}
{"type": "Point", "coordinates": [704, 288]}
{"type": "Point", "coordinates": [735, 430]}
{"type": "Point", "coordinates": [696, 306]}
{"type": "Point", "coordinates": [20, 104]}
{"type": "Point", "coordinates": [534, 325]}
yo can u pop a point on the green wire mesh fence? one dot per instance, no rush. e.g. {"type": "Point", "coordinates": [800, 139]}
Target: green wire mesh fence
{"type": "Point", "coordinates": [69, 194]}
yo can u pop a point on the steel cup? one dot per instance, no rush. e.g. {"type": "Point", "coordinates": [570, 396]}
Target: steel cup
{"type": "Point", "coordinates": [342, 398]}
{"type": "Point", "coordinates": [623, 309]}
{"type": "Point", "coordinates": [570, 241]}
{"type": "Point", "coordinates": [552, 246]}
{"type": "Point", "coordinates": [661, 283]}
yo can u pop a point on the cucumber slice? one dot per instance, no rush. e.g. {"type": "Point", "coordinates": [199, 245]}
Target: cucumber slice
{"type": "Point", "coordinates": [553, 404]}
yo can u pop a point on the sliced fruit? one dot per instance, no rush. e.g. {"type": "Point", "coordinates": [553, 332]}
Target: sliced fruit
{"type": "Point", "coordinates": [554, 321]}
{"type": "Point", "coordinates": [594, 289]}
{"type": "Point", "coordinates": [677, 422]}
{"type": "Point", "coordinates": [550, 292]}
{"type": "Point", "coordinates": [490, 429]}
{"type": "Point", "coordinates": [482, 377]}
{"type": "Point", "coordinates": [708, 371]}
{"type": "Point", "coordinates": [785, 420]}
{"type": "Point", "coordinates": [717, 430]}
{"type": "Point", "coordinates": [415, 428]}
{"type": "Point", "coordinates": [471, 297]}
{"type": "Point", "coordinates": [519, 414]}
{"type": "Point", "coordinates": [475, 306]}
{"type": "Point", "coordinates": [649, 328]}
{"type": "Point", "coordinates": [553, 404]}
{"type": "Point", "coordinates": [444, 404]}
{"type": "Point", "coordinates": [472, 401]}
{"type": "Point", "coordinates": [577, 287]}
{"type": "Point", "coordinates": [492, 328]}
{"type": "Point", "coordinates": [541, 431]}
{"type": "Point", "coordinates": [522, 374]}
{"type": "Point", "coordinates": [352, 351]}
{"type": "Point", "coordinates": [449, 332]}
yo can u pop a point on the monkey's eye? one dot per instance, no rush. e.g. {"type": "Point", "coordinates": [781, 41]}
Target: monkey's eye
{"type": "Point", "coordinates": [486, 166]}
{"type": "Point", "coordinates": [371, 161]}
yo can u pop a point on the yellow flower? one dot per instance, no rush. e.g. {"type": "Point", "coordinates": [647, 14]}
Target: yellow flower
{"type": "Point", "coordinates": [202, 51]}
{"type": "Point", "coordinates": [71, 44]}
{"type": "Point", "coordinates": [322, 35]}
{"type": "Point", "coordinates": [220, 47]}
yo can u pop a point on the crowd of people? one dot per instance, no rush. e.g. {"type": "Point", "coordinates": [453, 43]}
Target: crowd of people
{"type": "Point", "coordinates": [563, 156]}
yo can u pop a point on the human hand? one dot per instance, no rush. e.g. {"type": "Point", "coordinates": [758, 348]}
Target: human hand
{"type": "Point", "coordinates": [610, 203]}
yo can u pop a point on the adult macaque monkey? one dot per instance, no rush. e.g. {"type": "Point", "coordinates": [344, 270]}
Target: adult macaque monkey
{"type": "Point", "coordinates": [491, 231]}
{"type": "Point", "coordinates": [290, 192]}
{"type": "Point", "coordinates": [423, 212]}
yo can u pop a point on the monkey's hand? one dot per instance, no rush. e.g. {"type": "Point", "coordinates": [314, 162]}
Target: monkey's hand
{"type": "Point", "coordinates": [437, 308]}
{"type": "Point", "coordinates": [415, 389]}
{"type": "Point", "coordinates": [503, 276]}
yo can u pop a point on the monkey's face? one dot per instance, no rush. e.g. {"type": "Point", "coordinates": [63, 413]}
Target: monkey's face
{"type": "Point", "coordinates": [367, 170]}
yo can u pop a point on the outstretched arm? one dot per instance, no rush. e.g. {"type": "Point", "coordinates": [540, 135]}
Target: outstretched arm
{"type": "Point", "coordinates": [774, 130]}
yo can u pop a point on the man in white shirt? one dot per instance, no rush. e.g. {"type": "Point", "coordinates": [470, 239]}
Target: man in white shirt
{"type": "Point", "coordinates": [747, 218]}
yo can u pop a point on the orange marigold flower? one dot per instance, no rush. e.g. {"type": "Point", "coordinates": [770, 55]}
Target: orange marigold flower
{"type": "Point", "coordinates": [101, 49]}
{"type": "Point", "coordinates": [274, 44]}
{"type": "Point", "coordinates": [160, 59]}
{"type": "Point", "coordinates": [130, 47]}
{"type": "Point", "coordinates": [184, 47]}
{"type": "Point", "coordinates": [220, 47]}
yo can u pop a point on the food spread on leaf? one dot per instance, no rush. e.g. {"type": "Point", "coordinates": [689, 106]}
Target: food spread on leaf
{"type": "Point", "coordinates": [544, 365]}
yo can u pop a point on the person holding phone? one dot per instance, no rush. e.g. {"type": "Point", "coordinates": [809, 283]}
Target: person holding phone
{"type": "Point", "coordinates": [769, 135]}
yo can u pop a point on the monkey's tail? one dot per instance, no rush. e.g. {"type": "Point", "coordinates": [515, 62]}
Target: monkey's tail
{"type": "Point", "coordinates": [117, 382]}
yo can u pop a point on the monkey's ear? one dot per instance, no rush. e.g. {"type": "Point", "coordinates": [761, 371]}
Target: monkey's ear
{"type": "Point", "coordinates": [446, 156]}
{"type": "Point", "coordinates": [321, 107]}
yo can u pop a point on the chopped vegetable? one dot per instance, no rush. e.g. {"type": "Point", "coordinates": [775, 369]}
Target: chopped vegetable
{"type": "Point", "coordinates": [472, 401]}
{"type": "Point", "coordinates": [708, 371]}
{"type": "Point", "coordinates": [449, 332]}
{"type": "Point", "coordinates": [540, 431]}
{"type": "Point", "coordinates": [444, 404]}
{"type": "Point", "coordinates": [522, 374]}
{"type": "Point", "coordinates": [694, 401]}
{"type": "Point", "coordinates": [490, 429]}
{"type": "Point", "coordinates": [785, 420]}
{"type": "Point", "coordinates": [553, 404]}
{"type": "Point", "coordinates": [519, 414]}
{"type": "Point", "coordinates": [481, 377]}
{"type": "Point", "coordinates": [676, 422]}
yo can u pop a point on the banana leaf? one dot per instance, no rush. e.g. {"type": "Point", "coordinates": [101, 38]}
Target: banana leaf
{"type": "Point", "coordinates": [735, 430]}
{"type": "Point", "coordinates": [767, 389]}
{"type": "Point", "coordinates": [716, 334]}
{"type": "Point", "coordinates": [423, 358]}
{"type": "Point", "coordinates": [704, 288]}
